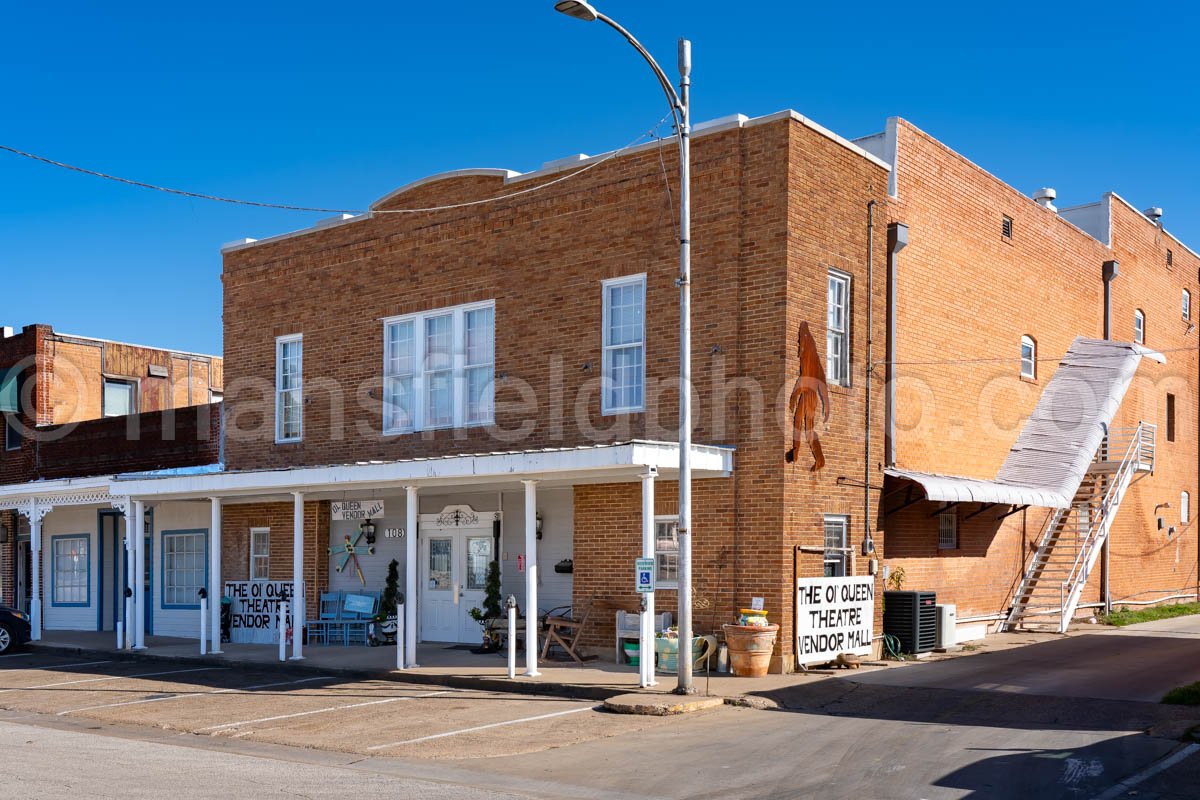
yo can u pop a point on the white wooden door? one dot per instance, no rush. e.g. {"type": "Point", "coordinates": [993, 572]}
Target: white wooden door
{"type": "Point", "coordinates": [439, 585]}
{"type": "Point", "coordinates": [476, 553]}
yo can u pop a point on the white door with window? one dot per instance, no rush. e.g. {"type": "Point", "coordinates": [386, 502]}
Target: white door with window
{"type": "Point", "coordinates": [456, 548]}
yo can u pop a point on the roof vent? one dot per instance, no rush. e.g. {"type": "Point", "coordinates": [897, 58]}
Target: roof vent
{"type": "Point", "coordinates": [1045, 197]}
{"type": "Point", "coordinates": [1154, 213]}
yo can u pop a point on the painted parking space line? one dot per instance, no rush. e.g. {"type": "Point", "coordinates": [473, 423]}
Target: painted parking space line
{"type": "Point", "coordinates": [484, 727]}
{"type": "Point", "coordinates": [61, 667]}
{"type": "Point", "coordinates": [1124, 786]}
{"type": "Point", "coordinates": [17, 655]}
{"type": "Point", "coordinates": [227, 725]}
{"type": "Point", "coordinates": [193, 694]}
{"type": "Point", "coordinates": [113, 678]}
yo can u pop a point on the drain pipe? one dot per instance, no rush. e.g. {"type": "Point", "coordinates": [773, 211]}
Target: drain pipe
{"type": "Point", "coordinates": [897, 241]}
{"type": "Point", "coordinates": [1108, 272]}
{"type": "Point", "coordinates": [868, 545]}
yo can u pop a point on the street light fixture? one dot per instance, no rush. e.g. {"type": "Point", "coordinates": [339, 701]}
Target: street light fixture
{"type": "Point", "coordinates": [680, 103]}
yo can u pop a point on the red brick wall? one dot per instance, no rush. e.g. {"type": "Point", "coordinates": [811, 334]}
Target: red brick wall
{"type": "Point", "coordinates": [238, 518]}
{"type": "Point", "coordinates": [965, 297]}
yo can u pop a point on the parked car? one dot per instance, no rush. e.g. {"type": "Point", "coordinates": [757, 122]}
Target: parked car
{"type": "Point", "coordinates": [14, 629]}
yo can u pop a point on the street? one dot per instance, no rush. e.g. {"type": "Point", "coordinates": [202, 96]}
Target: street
{"type": "Point", "coordinates": [137, 728]}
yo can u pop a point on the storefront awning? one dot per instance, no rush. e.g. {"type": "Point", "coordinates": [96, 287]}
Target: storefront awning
{"type": "Point", "coordinates": [955, 489]}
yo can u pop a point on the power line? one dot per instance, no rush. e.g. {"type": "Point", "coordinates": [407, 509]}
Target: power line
{"type": "Point", "coordinates": [288, 207]}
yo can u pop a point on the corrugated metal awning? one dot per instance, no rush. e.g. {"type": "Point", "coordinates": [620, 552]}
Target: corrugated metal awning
{"type": "Point", "coordinates": [956, 489]}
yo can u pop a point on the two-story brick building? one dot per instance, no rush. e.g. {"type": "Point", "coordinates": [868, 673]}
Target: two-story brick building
{"type": "Point", "coordinates": [496, 380]}
{"type": "Point", "coordinates": [76, 411]}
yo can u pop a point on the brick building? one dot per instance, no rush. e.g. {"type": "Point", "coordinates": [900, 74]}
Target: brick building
{"type": "Point", "coordinates": [498, 382]}
{"type": "Point", "coordinates": [81, 408]}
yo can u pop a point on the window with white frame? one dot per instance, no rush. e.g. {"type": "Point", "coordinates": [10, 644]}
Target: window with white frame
{"type": "Point", "coordinates": [837, 553]}
{"type": "Point", "coordinates": [666, 552]}
{"type": "Point", "coordinates": [1185, 507]}
{"type": "Point", "coordinates": [438, 369]}
{"type": "Point", "coordinates": [1186, 304]}
{"type": "Point", "coordinates": [623, 382]}
{"type": "Point", "coordinates": [289, 388]}
{"type": "Point", "coordinates": [1028, 357]}
{"type": "Point", "coordinates": [120, 398]}
{"type": "Point", "coordinates": [184, 568]}
{"type": "Point", "coordinates": [1139, 326]}
{"type": "Point", "coordinates": [837, 327]}
{"type": "Point", "coordinates": [260, 554]}
{"type": "Point", "coordinates": [71, 570]}
{"type": "Point", "coordinates": [948, 530]}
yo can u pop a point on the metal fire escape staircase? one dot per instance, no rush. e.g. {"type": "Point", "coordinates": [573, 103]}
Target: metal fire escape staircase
{"type": "Point", "coordinates": [1073, 538]}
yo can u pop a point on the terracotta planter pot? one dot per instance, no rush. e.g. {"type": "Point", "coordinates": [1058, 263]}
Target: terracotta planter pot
{"type": "Point", "coordinates": [750, 649]}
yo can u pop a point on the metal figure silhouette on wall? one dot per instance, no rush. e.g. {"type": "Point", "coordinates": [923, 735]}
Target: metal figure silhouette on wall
{"type": "Point", "coordinates": [809, 390]}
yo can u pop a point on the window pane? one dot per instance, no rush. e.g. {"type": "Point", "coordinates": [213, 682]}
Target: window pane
{"type": "Point", "coordinates": [118, 398]}
{"type": "Point", "coordinates": [666, 550]}
{"type": "Point", "coordinates": [398, 404]}
{"type": "Point", "coordinates": [290, 364]}
{"type": "Point", "coordinates": [479, 332]}
{"type": "Point", "coordinates": [439, 341]}
{"type": "Point", "coordinates": [479, 555]}
{"type": "Point", "coordinates": [71, 570]}
{"type": "Point", "coordinates": [183, 568]}
{"type": "Point", "coordinates": [289, 414]}
{"type": "Point", "coordinates": [399, 360]}
{"type": "Point", "coordinates": [439, 400]}
{"type": "Point", "coordinates": [625, 314]}
{"type": "Point", "coordinates": [439, 563]}
{"type": "Point", "coordinates": [479, 394]}
{"type": "Point", "coordinates": [625, 377]}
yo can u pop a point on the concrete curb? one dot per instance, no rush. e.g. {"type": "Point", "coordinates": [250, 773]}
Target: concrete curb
{"type": "Point", "coordinates": [659, 705]}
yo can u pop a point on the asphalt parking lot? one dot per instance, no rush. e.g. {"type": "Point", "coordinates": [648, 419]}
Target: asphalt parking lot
{"type": "Point", "coordinates": [371, 718]}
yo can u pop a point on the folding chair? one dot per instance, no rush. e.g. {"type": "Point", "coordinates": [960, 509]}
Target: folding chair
{"type": "Point", "coordinates": [564, 630]}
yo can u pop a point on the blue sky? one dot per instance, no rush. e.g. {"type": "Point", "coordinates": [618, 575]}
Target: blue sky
{"type": "Point", "coordinates": [321, 104]}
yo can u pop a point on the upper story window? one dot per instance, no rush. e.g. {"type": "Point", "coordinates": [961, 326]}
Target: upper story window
{"type": "Point", "coordinates": [1028, 357]}
{"type": "Point", "coordinates": [948, 530]}
{"type": "Point", "coordinates": [1170, 258]}
{"type": "Point", "coordinates": [1186, 304]}
{"type": "Point", "coordinates": [289, 388]}
{"type": "Point", "coordinates": [1006, 227]}
{"type": "Point", "coordinates": [1170, 417]}
{"type": "Point", "coordinates": [438, 368]}
{"type": "Point", "coordinates": [119, 398]}
{"type": "Point", "coordinates": [623, 382]}
{"type": "Point", "coordinates": [12, 432]}
{"type": "Point", "coordinates": [1139, 326]}
{"type": "Point", "coordinates": [837, 327]}
{"type": "Point", "coordinates": [1185, 508]}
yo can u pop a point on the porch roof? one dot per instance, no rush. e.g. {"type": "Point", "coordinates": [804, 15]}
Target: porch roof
{"type": "Point", "coordinates": [620, 461]}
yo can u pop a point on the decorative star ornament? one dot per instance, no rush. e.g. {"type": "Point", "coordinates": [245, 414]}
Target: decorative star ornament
{"type": "Point", "coordinates": [350, 550]}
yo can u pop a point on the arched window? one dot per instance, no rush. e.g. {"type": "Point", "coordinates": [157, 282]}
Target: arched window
{"type": "Point", "coordinates": [1185, 507]}
{"type": "Point", "coordinates": [1028, 357]}
{"type": "Point", "coordinates": [1139, 326]}
{"type": "Point", "coordinates": [1187, 305]}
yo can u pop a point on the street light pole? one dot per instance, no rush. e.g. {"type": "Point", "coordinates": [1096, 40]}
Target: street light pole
{"type": "Point", "coordinates": [679, 102]}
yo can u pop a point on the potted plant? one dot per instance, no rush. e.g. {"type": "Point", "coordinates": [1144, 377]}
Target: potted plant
{"type": "Point", "coordinates": [384, 625]}
{"type": "Point", "coordinates": [491, 610]}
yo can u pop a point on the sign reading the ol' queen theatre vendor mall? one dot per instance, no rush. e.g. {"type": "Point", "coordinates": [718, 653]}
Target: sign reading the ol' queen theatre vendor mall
{"type": "Point", "coordinates": [833, 616]}
{"type": "Point", "coordinates": [357, 510]}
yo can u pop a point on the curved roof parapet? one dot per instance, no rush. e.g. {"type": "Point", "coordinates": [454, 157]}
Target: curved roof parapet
{"type": "Point", "coordinates": [484, 172]}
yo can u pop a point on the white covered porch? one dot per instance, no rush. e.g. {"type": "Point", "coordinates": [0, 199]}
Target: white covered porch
{"type": "Point", "coordinates": [461, 507]}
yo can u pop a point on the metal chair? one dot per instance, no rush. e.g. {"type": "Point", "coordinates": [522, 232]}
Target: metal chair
{"type": "Point", "coordinates": [328, 623]}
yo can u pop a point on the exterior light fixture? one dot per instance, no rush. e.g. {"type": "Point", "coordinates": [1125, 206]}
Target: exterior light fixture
{"type": "Point", "coordinates": [368, 530]}
{"type": "Point", "coordinates": [576, 9]}
{"type": "Point", "coordinates": [539, 525]}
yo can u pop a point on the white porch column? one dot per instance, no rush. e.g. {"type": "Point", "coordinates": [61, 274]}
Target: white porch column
{"type": "Point", "coordinates": [130, 572]}
{"type": "Point", "coordinates": [138, 577]}
{"type": "Point", "coordinates": [216, 588]}
{"type": "Point", "coordinates": [410, 575]}
{"type": "Point", "coordinates": [646, 646]}
{"type": "Point", "coordinates": [35, 544]}
{"type": "Point", "coordinates": [297, 576]}
{"type": "Point", "coordinates": [532, 634]}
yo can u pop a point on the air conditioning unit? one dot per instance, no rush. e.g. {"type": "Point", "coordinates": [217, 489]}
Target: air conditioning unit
{"type": "Point", "coordinates": [912, 618]}
{"type": "Point", "coordinates": [947, 626]}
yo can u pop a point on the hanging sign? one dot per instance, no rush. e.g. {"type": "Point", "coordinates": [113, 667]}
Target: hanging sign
{"type": "Point", "coordinates": [833, 616]}
{"type": "Point", "coordinates": [357, 510]}
{"type": "Point", "coordinates": [644, 575]}
{"type": "Point", "coordinates": [255, 604]}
